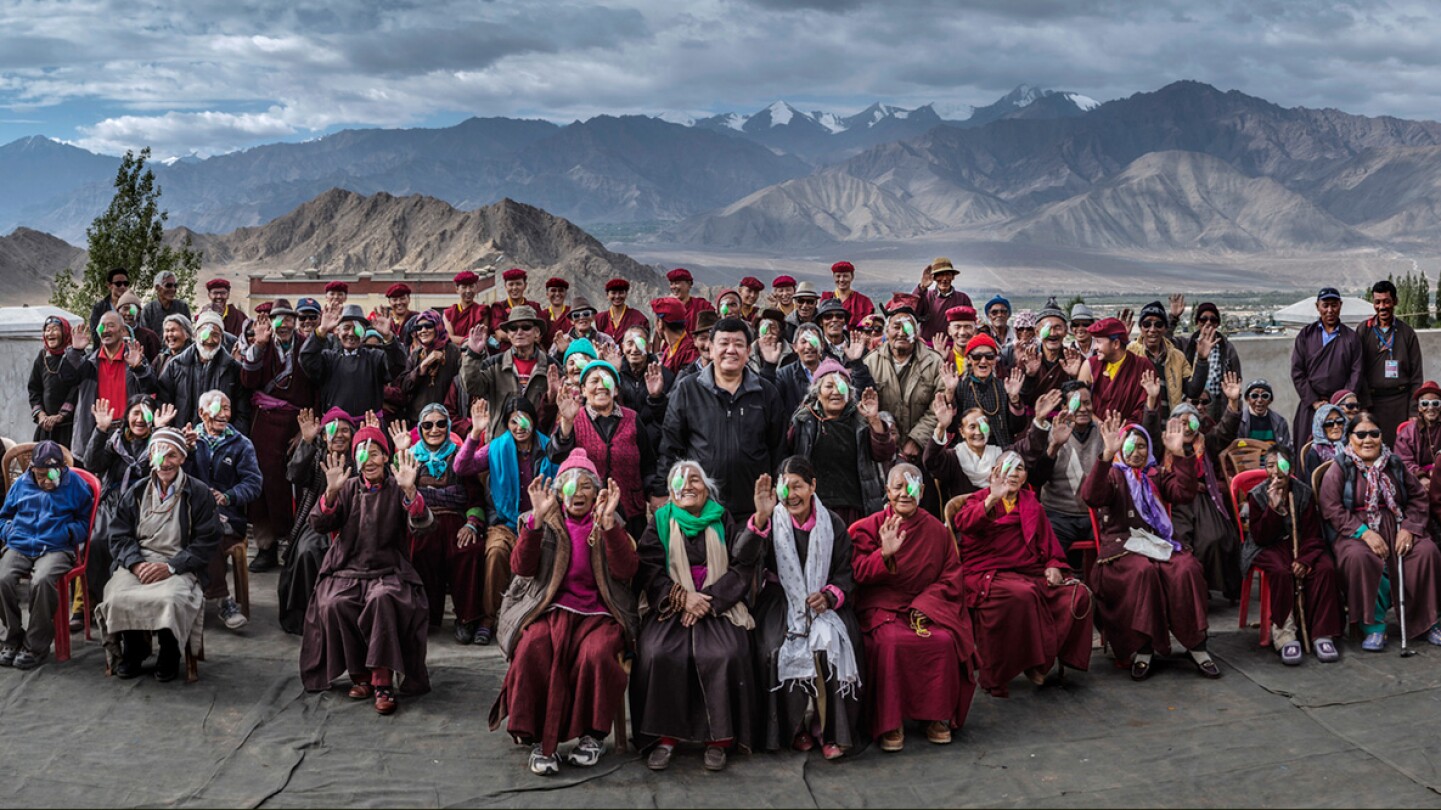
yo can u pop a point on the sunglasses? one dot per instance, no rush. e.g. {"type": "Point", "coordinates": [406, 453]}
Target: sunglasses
{"type": "Point", "coordinates": [1431, 403]}
{"type": "Point", "coordinates": [1152, 323]}
{"type": "Point", "coordinates": [170, 286]}
{"type": "Point", "coordinates": [425, 327]}
{"type": "Point", "coordinates": [1261, 396]}
{"type": "Point", "coordinates": [834, 316]}
{"type": "Point", "coordinates": [1208, 319]}
{"type": "Point", "coordinates": [1366, 434]}
{"type": "Point", "coordinates": [1330, 423]}
{"type": "Point", "coordinates": [1081, 324]}
{"type": "Point", "coordinates": [309, 317]}
{"type": "Point", "coordinates": [120, 284]}
{"type": "Point", "coordinates": [983, 357]}
{"type": "Point", "coordinates": [432, 425]}
{"type": "Point", "coordinates": [1351, 406]}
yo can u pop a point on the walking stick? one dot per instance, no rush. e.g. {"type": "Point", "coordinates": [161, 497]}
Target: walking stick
{"type": "Point", "coordinates": [1401, 604]}
{"type": "Point", "coordinates": [1300, 584]}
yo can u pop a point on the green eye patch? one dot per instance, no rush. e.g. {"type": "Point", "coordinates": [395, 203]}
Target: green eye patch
{"type": "Point", "coordinates": [330, 429]}
{"type": "Point", "coordinates": [842, 388]}
{"type": "Point", "coordinates": [523, 422]}
{"type": "Point", "coordinates": [1283, 465]}
{"type": "Point", "coordinates": [984, 425]}
{"type": "Point", "coordinates": [568, 488]}
{"type": "Point", "coordinates": [909, 328]}
{"type": "Point", "coordinates": [638, 342]}
{"type": "Point", "coordinates": [214, 407]}
{"type": "Point", "coordinates": [276, 322]}
{"type": "Point", "coordinates": [766, 328]}
{"type": "Point", "coordinates": [1129, 445]}
{"type": "Point", "coordinates": [53, 474]}
{"type": "Point", "coordinates": [363, 454]}
{"type": "Point", "coordinates": [913, 485]}
{"type": "Point", "coordinates": [677, 482]}
{"type": "Point", "coordinates": [783, 491]}
{"type": "Point", "coordinates": [1075, 403]}
{"type": "Point", "coordinates": [1194, 423]}
{"type": "Point", "coordinates": [148, 414]}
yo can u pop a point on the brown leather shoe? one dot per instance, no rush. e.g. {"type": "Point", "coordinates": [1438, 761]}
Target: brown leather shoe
{"type": "Point", "coordinates": [938, 732]}
{"type": "Point", "coordinates": [893, 740]}
{"type": "Point", "coordinates": [361, 691]}
{"type": "Point", "coordinates": [659, 758]}
{"type": "Point", "coordinates": [715, 758]}
{"type": "Point", "coordinates": [384, 700]}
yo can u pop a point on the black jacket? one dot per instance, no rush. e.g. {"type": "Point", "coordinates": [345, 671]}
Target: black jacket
{"type": "Point", "coordinates": [735, 438]}
{"type": "Point", "coordinates": [793, 381]}
{"type": "Point", "coordinates": [185, 378]}
{"type": "Point", "coordinates": [199, 527]}
{"type": "Point", "coordinates": [355, 383]}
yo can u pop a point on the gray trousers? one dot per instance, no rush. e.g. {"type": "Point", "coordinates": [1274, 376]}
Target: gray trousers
{"type": "Point", "coordinates": [45, 597]}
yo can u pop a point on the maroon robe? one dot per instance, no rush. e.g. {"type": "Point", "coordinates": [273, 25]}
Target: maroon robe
{"type": "Point", "coordinates": [1319, 371]}
{"type": "Point", "coordinates": [694, 306]}
{"type": "Point", "coordinates": [1361, 569]}
{"type": "Point", "coordinates": [439, 560]}
{"type": "Point", "coordinates": [459, 323]}
{"type": "Point", "coordinates": [278, 395]}
{"type": "Point", "coordinates": [681, 355]}
{"type": "Point", "coordinates": [1124, 393]}
{"type": "Point", "coordinates": [1020, 621]}
{"type": "Point", "coordinates": [1417, 444]}
{"type": "Point", "coordinates": [1140, 602]}
{"type": "Point", "coordinates": [555, 324]}
{"type": "Point", "coordinates": [616, 327]}
{"type": "Point", "coordinates": [932, 309]}
{"type": "Point", "coordinates": [1270, 537]}
{"type": "Point", "coordinates": [856, 305]}
{"type": "Point", "coordinates": [910, 676]}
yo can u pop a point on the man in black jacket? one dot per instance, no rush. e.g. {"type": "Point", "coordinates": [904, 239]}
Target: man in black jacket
{"type": "Point", "coordinates": [728, 419]}
{"type": "Point", "coordinates": [352, 377]}
{"type": "Point", "coordinates": [203, 366]}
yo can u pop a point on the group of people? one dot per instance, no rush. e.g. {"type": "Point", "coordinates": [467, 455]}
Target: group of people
{"type": "Point", "coordinates": [803, 523]}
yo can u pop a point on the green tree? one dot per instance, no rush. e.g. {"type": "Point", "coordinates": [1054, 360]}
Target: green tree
{"type": "Point", "coordinates": [129, 234]}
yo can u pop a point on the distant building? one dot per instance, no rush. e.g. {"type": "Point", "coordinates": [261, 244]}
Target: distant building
{"type": "Point", "coordinates": [428, 289]}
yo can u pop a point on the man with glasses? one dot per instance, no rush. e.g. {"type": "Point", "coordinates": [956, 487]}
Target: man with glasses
{"type": "Point", "coordinates": [1326, 359]}
{"type": "Point", "coordinates": [520, 370]}
{"type": "Point", "coordinates": [1082, 318]}
{"type": "Point", "coordinates": [998, 313]}
{"type": "Point", "coordinates": [985, 386]}
{"type": "Point", "coordinates": [307, 317]}
{"type": "Point", "coordinates": [1419, 439]}
{"type": "Point", "coordinates": [233, 318]}
{"type": "Point", "coordinates": [118, 281]}
{"type": "Point", "coordinates": [1221, 361]}
{"type": "Point", "coordinates": [1179, 380]}
{"type": "Point", "coordinates": [1390, 362]}
{"type": "Point", "coordinates": [806, 300]}
{"type": "Point", "coordinates": [834, 320]}
{"type": "Point", "coordinates": [1258, 421]}
{"type": "Point", "coordinates": [279, 389]}
{"type": "Point", "coordinates": [166, 303]}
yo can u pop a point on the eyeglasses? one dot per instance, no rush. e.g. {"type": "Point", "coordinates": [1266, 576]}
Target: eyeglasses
{"type": "Point", "coordinates": [1262, 396]}
{"type": "Point", "coordinates": [1431, 403]}
{"type": "Point", "coordinates": [1153, 323]}
{"type": "Point", "coordinates": [120, 284]}
{"type": "Point", "coordinates": [1366, 434]}
{"type": "Point", "coordinates": [169, 286]}
{"type": "Point", "coordinates": [1351, 406]}
{"type": "Point", "coordinates": [983, 357]}
{"type": "Point", "coordinates": [432, 425]}
{"type": "Point", "coordinates": [305, 317]}
{"type": "Point", "coordinates": [1330, 423]}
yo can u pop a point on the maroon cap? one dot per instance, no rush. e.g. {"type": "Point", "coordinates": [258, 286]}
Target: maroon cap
{"type": "Point", "coordinates": [218, 283]}
{"type": "Point", "coordinates": [1109, 328]}
{"type": "Point", "coordinates": [513, 274]}
{"type": "Point", "coordinates": [397, 290]}
{"type": "Point", "coordinates": [264, 309]}
{"type": "Point", "coordinates": [783, 281]}
{"type": "Point", "coordinates": [752, 283]}
{"type": "Point", "coordinates": [617, 285]}
{"type": "Point", "coordinates": [668, 309]}
{"type": "Point", "coordinates": [557, 281]}
{"type": "Point", "coordinates": [961, 314]}
{"type": "Point", "coordinates": [679, 274]}
{"type": "Point", "coordinates": [466, 277]}
{"type": "Point", "coordinates": [902, 302]}
{"type": "Point", "coordinates": [337, 286]}
{"type": "Point", "coordinates": [843, 267]}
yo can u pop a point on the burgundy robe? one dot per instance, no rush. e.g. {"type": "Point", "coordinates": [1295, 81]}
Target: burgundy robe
{"type": "Point", "coordinates": [858, 306]}
{"type": "Point", "coordinates": [1268, 548]}
{"type": "Point", "coordinates": [694, 306]}
{"type": "Point", "coordinates": [616, 327]}
{"type": "Point", "coordinates": [1124, 393]}
{"type": "Point", "coordinates": [460, 322]}
{"type": "Point", "coordinates": [932, 309]}
{"type": "Point", "coordinates": [278, 396]}
{"type": "Point", "coordinates": [910, 676]}
{"type": "Point", "coordinates": [1020, 622]}
{"type": "Point", "coordinates": [1417, 444]}
{"type": "Point", "coordinates": [1140, 602]}
{"type": "Point", "coordinates": [1318, 372]}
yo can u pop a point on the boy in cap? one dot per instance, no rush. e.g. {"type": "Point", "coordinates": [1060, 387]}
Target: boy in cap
{"type": "Point", "coordinates": [857, 305]}
{"type": "Point", "coordinates": [617, 318]}
{"type": "Point", "coordinates": [465, 314]}
{"type": "Point", "coordinates": [681, 282]}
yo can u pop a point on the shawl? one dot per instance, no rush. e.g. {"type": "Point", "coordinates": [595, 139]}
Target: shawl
{"type": "Point", "coordinates": [717, 561]}
{"type": "Point", "coordinates": [978, 470]}
{"type": "Point", "coordinates": [505, 484]}
{"type": "Point", "coordinates": [1378, 485]}
{"type": "Point", "coordinates": [436, 461]}
{"type": "Point", "coordinates": [1143, 490]}
{"type": "Point", "coordinates": [1324, 447]}
{"type": "Point", "coordinates": [806, 633]}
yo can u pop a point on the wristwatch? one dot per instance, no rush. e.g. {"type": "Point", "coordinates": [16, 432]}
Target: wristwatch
{"type": "Point", "coordinates": [170, 568]}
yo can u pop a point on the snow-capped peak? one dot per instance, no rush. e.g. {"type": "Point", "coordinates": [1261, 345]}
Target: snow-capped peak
{"type": "Point", "coordinates": [1086, 103]}
{"type": "Point", "coordinates": [781, 113]}
{"type": "Point", "coordinates": [675, 117]}
{"type": "Point", "coordinates": [830, 121]}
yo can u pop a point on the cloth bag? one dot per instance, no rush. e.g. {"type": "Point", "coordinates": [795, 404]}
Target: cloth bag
{"type": "Point", "coordinates": [1149, 545]}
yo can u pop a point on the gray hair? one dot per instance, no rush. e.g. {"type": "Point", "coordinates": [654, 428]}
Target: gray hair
{"type": "Point", "coordinates": [209, 397]}
{"type": "Point", "coordinates": [815, 388]}
{"type": "Point", "coordinates": [164, 276]}
{"type": "Point", "coordinates": [712, 488]}
{"type": "Point", "coordinates": [594, 479]}
{"type": "Point", "coordinates": [904, 468]}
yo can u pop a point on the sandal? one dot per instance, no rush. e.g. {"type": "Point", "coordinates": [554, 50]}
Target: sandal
{"type": "Point", "coordinates": [384, 700]}
{"type": "Point", "coordinates": [803, 742]}
{"type": "Point", "coordinates": [1141, 667]}
{"type": "Point", "coordinates": [1325, 650]}
{"type": "Point", "coordinates": [1291, 654]}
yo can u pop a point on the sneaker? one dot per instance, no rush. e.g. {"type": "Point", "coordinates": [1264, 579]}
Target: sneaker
{"type": "Point", "coordinates": [77, 621]}
{"type": "Point", "coordinates": [587, 752]}
{"type": "Point", "coordinates": [1374, 642]}
{"type": "Point", "coordinates": [230, 613]}
{"type": "Point", "coordinates": [464, 632]}
{"type": "Point", "coordinates": [7, 656]}
{"type": "Point", "coordinates": [542, 765]}
{"type": "Point", "coordinates": [1434, 634]}
{"type": "Point", "coordinates": [28, 660]}
{"type": "Point", "coordinates": [266, 559]}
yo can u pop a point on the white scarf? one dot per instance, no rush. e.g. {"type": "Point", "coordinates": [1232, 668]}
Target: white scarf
{"type": "Point", "coordinates": [978, 470]}
{"type": "Point", "coordinates": [807, 634]}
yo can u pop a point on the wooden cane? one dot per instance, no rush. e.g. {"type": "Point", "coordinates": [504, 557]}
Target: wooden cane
{"type": "Point", "coordinates": [1300, 589]}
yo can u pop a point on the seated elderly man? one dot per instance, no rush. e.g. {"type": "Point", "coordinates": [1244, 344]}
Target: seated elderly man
{"type": "Point", "coordinates": [225, 462]}
{"type": "Point", "coordinates": [162, 538]}
{"type": "Point", "coordinates": [43, 524]}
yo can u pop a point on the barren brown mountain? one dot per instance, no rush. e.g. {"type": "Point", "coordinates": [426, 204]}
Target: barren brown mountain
{"type": "Point", "coordinates": [29, 260]}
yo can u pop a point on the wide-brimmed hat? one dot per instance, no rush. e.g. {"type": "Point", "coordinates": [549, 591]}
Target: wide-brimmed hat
{"type": "Point", "coordinates": [521, 314]}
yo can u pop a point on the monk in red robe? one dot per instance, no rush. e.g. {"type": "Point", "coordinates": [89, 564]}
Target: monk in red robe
{"type": "Point", "coordinates": [920, 651]}
{"type": "Point", "coordinates": [1114, 373]}
{"type": "Point", "coordinates": [1026, 612]}
{"type": "Point", "coordinates": [1147, 582]}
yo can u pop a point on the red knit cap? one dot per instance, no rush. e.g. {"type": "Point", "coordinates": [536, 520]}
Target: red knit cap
{"type": "Point", "coordinates": [373, 434]}
{"type": "Point", "coordinates": [981, 341]}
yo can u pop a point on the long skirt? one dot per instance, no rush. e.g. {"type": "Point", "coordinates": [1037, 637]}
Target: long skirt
{"type": "Point", "coordinates": [783, 706]}
{"type": "Point", "coordinates": [442, 564]}
{"type": "Point", "coordinates": [1140, 602]}
{"type": "Point", "coordinates": [1212, 534]}
{"type": "Point", "coordinates": [1361, 572]}
{"type": "Point", "coordinates": [913, 678]}
{"type": "Point", "coordinates": [1322, 594]}
{"type": "Point", "coordinates": [297, 578]}
{"type": "Point", "coordinates": [357, 625]}
{"type": "Point", "coordinates": [1022, 623]}
{"type": "Point", "coordinates": [273, 514]}
{"type": "Point", "coordinates": [175, 603]}
{"type": "Point", "coordinates": [565, 679]}
{"type": "Point", "coordinates": [693, 683]}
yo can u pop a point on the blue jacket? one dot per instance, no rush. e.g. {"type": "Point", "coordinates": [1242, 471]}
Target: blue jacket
{"type": "Point", "coordinates": [230, 468]}
{"type": "Point", "coordinates": [35, 522]}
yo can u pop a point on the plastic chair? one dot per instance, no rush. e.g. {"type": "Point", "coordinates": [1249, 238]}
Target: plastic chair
{"type": "Point", "coordinates": [1243, 455]}
{"type": "Point", "coordinates": [1240, 486]}
{"type": "Point", "coordinates": [76, 576]}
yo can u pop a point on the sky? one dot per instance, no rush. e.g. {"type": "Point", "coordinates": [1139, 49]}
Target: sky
{"type": "Point", "coordinates": [211, 76]}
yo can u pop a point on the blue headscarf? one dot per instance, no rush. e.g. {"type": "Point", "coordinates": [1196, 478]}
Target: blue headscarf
{"type": "Point", "coordinates": [1324, 447]}
{"type": "Point", "coordinates": [436, 461]}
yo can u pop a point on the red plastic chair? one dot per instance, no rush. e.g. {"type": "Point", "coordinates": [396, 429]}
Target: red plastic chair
{"type": "Point", "coordinates": [76, 575]}
{"type": "Point", "coordinates": [1242, 484]}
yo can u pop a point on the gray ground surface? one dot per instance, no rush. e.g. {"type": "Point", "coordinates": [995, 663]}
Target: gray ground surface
{"type": "Point", "coordinates": [1362, 732]}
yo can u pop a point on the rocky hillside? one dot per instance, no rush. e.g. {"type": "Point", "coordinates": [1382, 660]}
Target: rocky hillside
{"type": "Point", "coordinates": [29, 260]}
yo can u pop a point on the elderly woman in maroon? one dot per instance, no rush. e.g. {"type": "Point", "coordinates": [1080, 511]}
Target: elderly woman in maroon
{"type": "Point", "coordinates": [1147, 583]}
{"type": "Point", "coordinates": [1028, 615]}
{"type": "Point", "coordinates": [920, 651]}
{"type": "Point", "coordinates": [1418, 440]}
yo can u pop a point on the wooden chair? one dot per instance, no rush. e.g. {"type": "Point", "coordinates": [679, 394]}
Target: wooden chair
{"type": "Point", "coordinates": [1318, 475]}
{"type": "Point", "coordinates": [953, 508]}
{"type": "Point", "coordinates": [1241, 485]}
{"type": "Point", "coordinates": [1243, 455]}
{"type": "Point", "coordinates": [626, 660]}
{"type": "Point", "coordinates": [17, 460]}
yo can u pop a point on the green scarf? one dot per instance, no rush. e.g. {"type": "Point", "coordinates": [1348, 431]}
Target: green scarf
{"type": "Point", "coordinates": [690, 525]}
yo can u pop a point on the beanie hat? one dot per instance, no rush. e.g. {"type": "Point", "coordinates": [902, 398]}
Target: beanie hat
{"type": "Point", "coordinates": [580, 346]}
{"type": "Point", "coordinates": [830, 366]}
{"type": "Point", "coordinates": [577, 460]}
{"type": "Point", "coordinates": [601, 365]}
{"type": "Point", "coordinates": [998, 299]}
{"type": "Point", "coordinates": [172, 437]}
{"type": "Point", "coordinates": [981, 341]}
{"type": "Point", "coordinates": [210, 318]}
{"type": "Point", "coordinates": [370, 434]}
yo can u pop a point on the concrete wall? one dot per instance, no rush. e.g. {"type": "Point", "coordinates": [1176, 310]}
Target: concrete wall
{"type": "Point", "coordinates": [1270, 357]}
{"type": "Point", "coordinates": [17, 354]}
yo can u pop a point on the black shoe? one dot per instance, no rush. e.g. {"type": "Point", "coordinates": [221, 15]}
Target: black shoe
{"type": "Point", "coordinates": [464, 632]}
{"type": "Point", "coordinates": [266, 559]}
{"type": "Point", "coordinates": [127, 669]}
{"type": "Point", "coordinates": [167, 668]}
